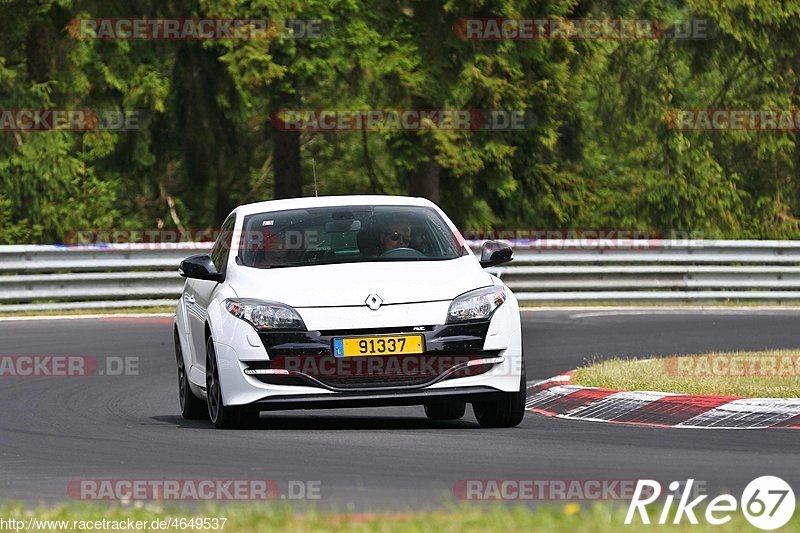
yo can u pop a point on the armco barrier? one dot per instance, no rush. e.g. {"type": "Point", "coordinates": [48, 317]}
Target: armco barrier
{"type": "Point", "coordinates": [52, 277]}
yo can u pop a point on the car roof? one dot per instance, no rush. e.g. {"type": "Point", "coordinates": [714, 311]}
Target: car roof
{"type": "Point", "coordinates": [329, 201]}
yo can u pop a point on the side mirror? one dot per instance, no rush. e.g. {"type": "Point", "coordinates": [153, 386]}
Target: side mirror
{"type": "Point", "coordinates": [199, 267]}
{"type": "Point", "coordinates": [495, 253]}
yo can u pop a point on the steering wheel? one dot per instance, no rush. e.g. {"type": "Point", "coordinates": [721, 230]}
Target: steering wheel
{"type": "Point", "coordinates": [402, 252]}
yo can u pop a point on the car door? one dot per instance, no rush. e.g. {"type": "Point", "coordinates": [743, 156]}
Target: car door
{"type": "Point", "coordinates": [199, 293]}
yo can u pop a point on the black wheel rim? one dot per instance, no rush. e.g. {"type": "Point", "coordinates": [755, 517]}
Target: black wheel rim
{"type": "Point", "coordinates": [212, 386]}
{"type": "Point", "coordinates": [181, 381]}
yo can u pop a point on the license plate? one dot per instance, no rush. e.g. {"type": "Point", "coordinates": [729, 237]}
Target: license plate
{"type": "Point", "coordinates": [383, 345]}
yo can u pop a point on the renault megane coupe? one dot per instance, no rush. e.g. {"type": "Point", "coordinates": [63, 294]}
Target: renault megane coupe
{"type": "Point", "coordinates": [347, 301]}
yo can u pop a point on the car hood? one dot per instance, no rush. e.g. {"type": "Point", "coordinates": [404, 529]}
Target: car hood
{"type": "Point", "coordinates": [349, 284]}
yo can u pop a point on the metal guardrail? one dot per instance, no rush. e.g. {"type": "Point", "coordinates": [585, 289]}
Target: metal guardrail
{"type": "Point", "coordinates": [54, 277]}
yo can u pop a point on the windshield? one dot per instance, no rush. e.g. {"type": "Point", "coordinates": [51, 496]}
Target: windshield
{"type": "Point", "coordinates": [346, 234]}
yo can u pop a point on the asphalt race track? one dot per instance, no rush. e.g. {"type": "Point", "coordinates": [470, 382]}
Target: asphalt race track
{"type": "Point", "coordinates": [57, 429]}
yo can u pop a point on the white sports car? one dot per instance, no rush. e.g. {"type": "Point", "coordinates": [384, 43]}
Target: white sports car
{"type": "Point", "coordinates": [347, 301]}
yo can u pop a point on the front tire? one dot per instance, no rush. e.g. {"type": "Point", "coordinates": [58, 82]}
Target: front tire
{"type": "Point", "coordinates": [223, 416]}
{"type": "Point", "coordinates": [445, 410]}
{"type": "Point", "coordinates": [505, 412]}
{"type": "Point", "coordinates": [192, 407]}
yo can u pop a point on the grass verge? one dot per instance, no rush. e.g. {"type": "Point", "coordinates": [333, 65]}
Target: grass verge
{"type": "Point", "coordinates": [764, 374]}
{"type": "Point", "coordinates": [567, 517]}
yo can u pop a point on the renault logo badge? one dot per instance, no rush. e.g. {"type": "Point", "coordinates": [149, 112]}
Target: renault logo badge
{"type": "Point", "coordinates": [374, 302]}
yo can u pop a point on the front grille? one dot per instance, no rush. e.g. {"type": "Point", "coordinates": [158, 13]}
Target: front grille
{"type": "Point", "coordinates": [367, 372]}
{"type": "Point", "coordinates": [373, 382]}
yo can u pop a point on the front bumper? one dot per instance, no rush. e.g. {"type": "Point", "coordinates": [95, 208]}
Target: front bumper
{"type": "Point", "coordinates": [306, 358]}
{"type": "Point", "coordinates": [370, 373]}
{"type": "Point", "coordinates": [487, 356]}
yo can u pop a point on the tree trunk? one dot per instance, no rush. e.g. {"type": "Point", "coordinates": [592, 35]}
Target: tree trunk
{"type": "Point", "coordinates": [38, 51]}
{"type": "Point", "coordinates": [424, 181]}
{"type": "Point", "coordinates": [286, 163]}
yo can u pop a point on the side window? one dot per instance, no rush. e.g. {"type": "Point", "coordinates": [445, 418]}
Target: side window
{"type": "Point", "coordinates": [222, 248]}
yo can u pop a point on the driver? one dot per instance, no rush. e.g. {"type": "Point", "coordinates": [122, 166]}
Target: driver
{"type": "Point", "coordinates": [269, 248]}
{"type": "Point", "coordinates": [394, 235]}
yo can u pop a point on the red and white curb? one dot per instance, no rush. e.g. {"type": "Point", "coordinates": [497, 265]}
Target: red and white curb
{"type": "Point", "coordinates": [559, 397]}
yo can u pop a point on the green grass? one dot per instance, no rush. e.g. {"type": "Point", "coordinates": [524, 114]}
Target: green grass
{"type": "Point", "coordinates": [477, 517]}
{"type": "Point", "coordinates": [697, 375]}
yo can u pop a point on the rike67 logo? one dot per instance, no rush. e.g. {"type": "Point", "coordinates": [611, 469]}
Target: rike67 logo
{"type": "Point", "coordinates": [767, 502]}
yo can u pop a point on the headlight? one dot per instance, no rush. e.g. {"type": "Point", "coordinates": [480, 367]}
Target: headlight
{"type": "Point", "coordinates": [264, 315]}
{"type": "Point", "coordinates": [476, 305]}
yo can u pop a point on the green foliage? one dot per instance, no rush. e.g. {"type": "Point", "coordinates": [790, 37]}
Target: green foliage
{"type": "Point", "coordinates": [598, 150]}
